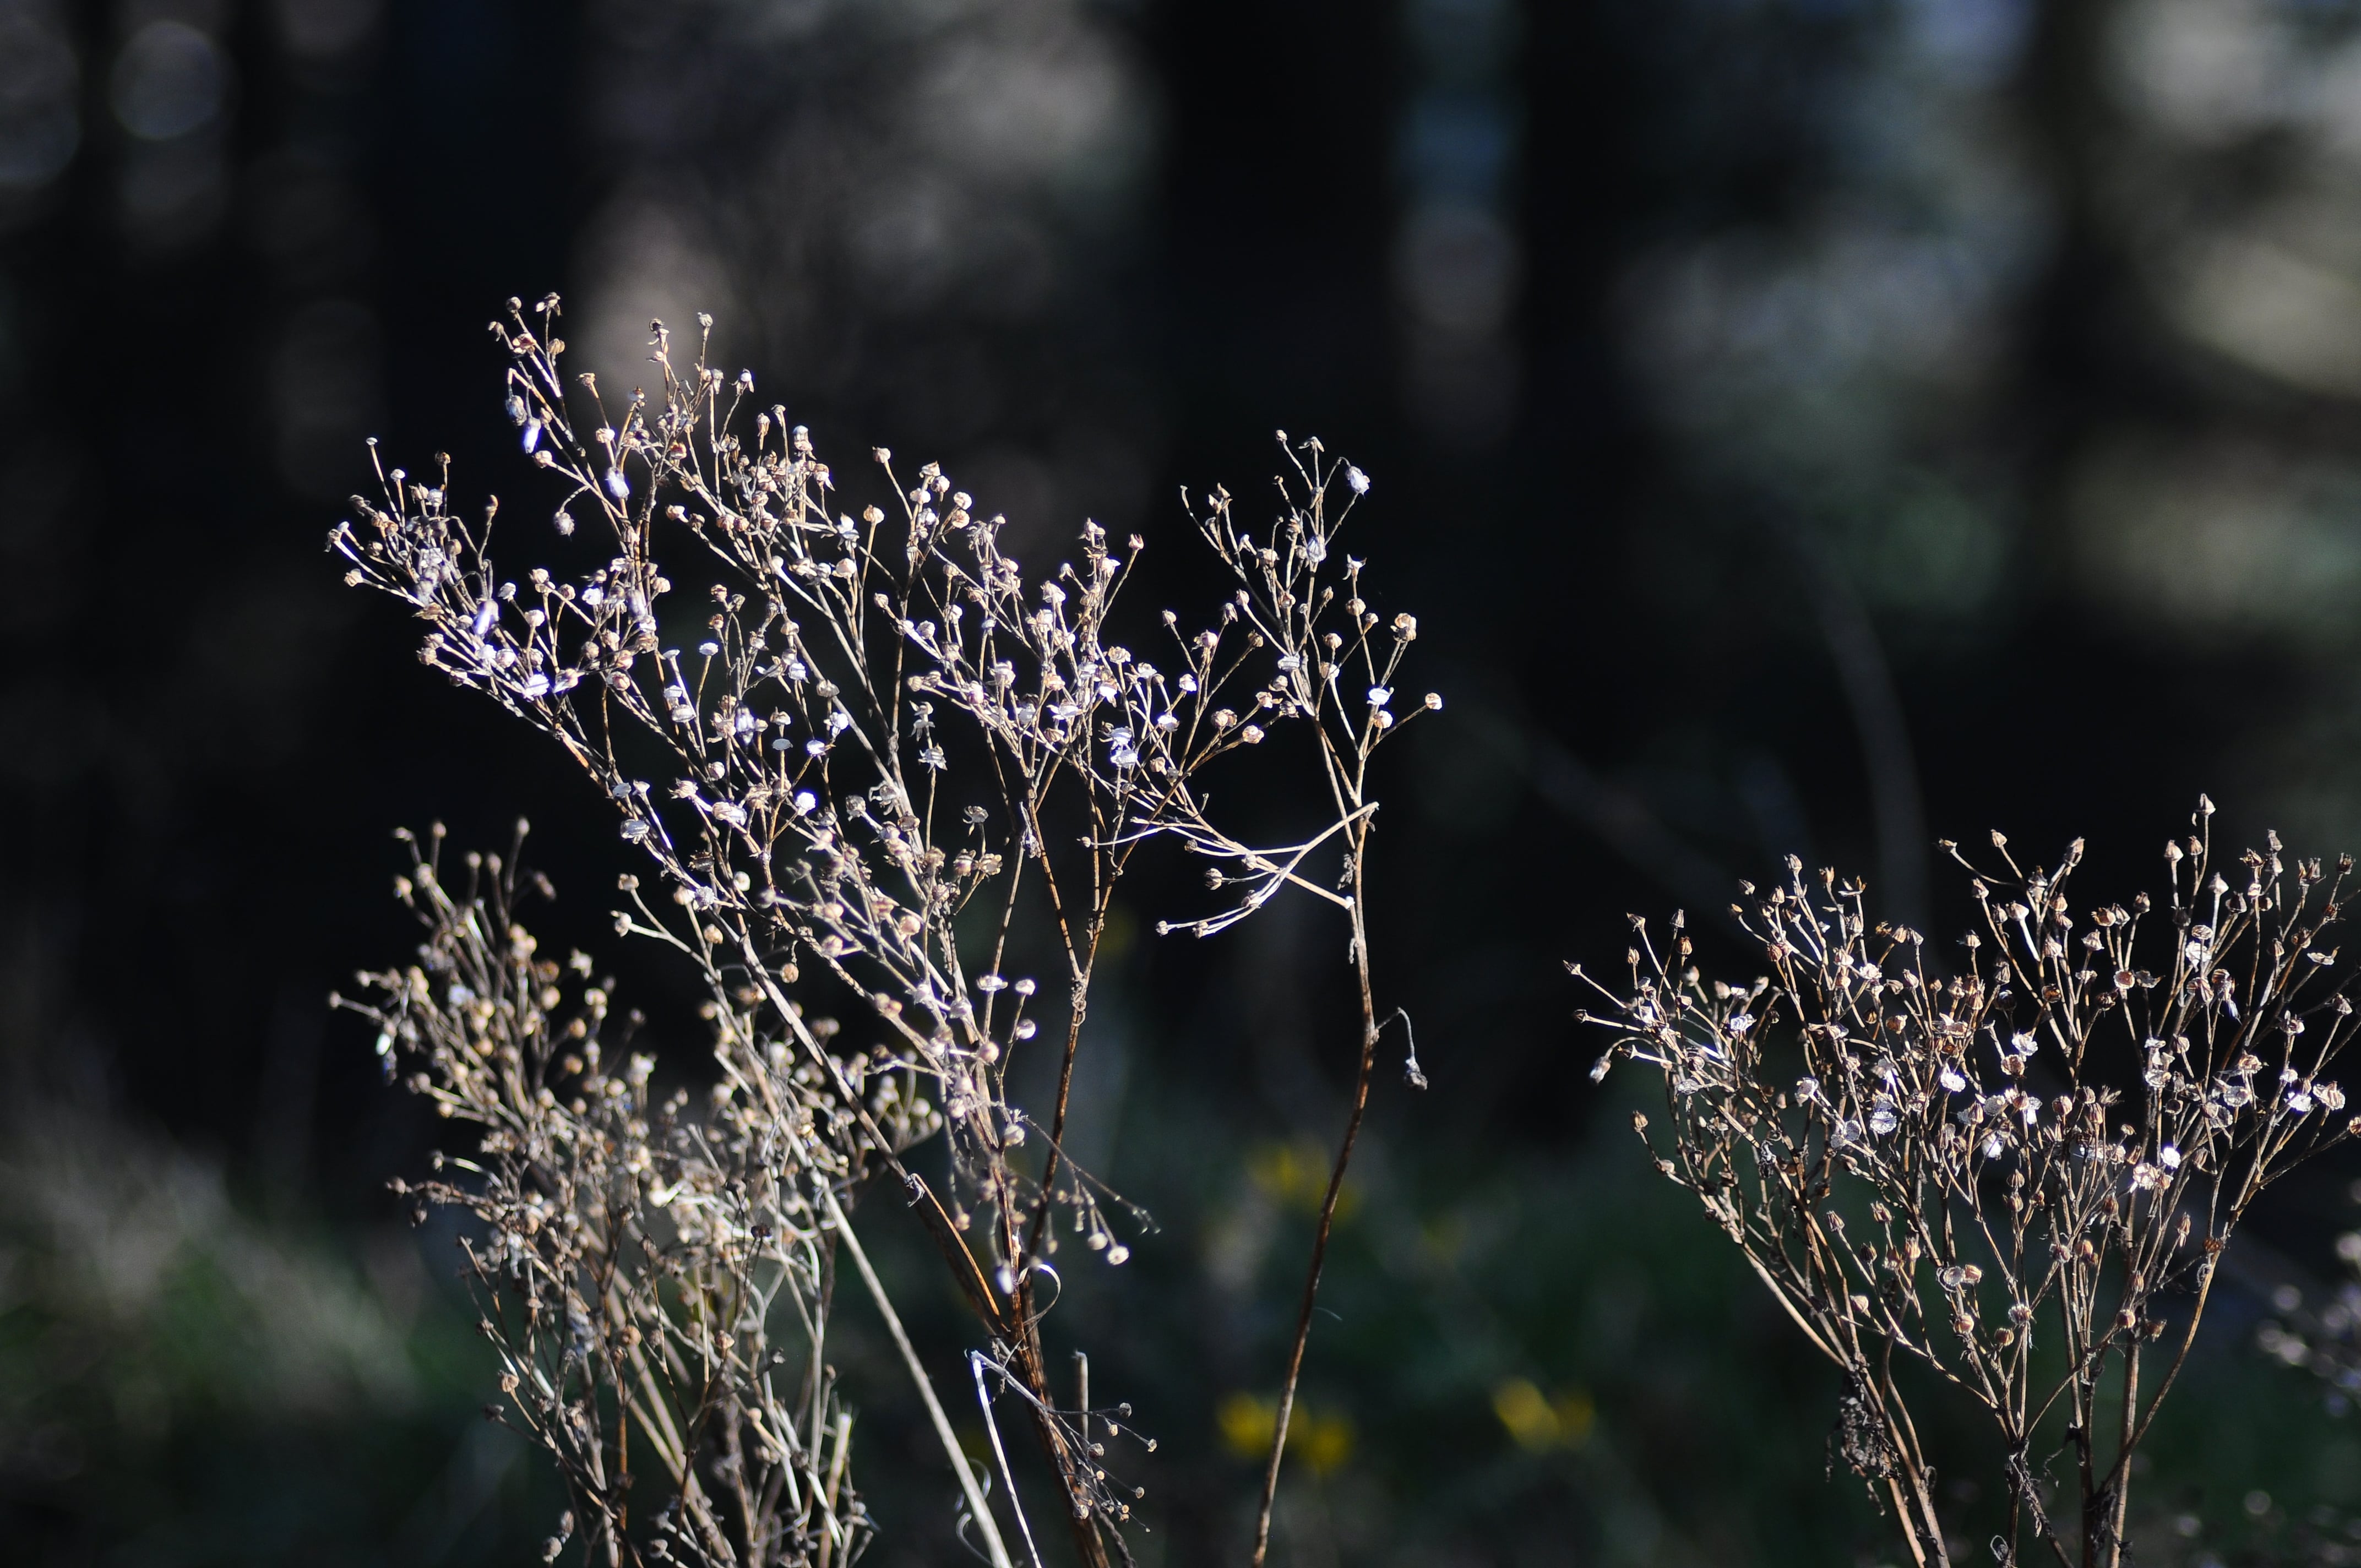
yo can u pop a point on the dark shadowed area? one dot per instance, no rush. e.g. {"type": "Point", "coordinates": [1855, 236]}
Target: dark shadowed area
{"type": "Point", "coordinates": [1801, 427]}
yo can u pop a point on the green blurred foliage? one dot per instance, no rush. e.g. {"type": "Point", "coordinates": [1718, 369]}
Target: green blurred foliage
{"type": "Point", "coordinates": [182, 1382]}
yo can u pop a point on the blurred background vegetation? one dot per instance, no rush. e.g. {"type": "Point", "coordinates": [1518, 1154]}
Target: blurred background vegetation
{"type": "Point", "coordinates": [1807, 426]}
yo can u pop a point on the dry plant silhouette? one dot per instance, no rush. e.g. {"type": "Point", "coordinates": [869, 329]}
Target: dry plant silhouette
{"type": "Point", "coordinates": [2017, 1175]}
{"type": "Point", "coordinates": [878, 761]}
{"type": "Point", "coordinates": [634, 1256]}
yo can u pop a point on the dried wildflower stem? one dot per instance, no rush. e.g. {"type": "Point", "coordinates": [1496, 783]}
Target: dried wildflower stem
{"type": "Point", "coordinates": [994, 1548]}
{"type": "Point", "coordinates": [884, 723]}
{"type": "Point", "coordinates": [1327, 1202]}
{"type": "Point", "coordinates": [1337, 677]}
{"type": "Point", "coordinates": [2084, 1131]}
{"type": "Point", "coordinates": [635, 1258]}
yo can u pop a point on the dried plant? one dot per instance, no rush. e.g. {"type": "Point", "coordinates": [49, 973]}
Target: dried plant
{"type": "Point", "coordinates": [1332, 674]}
{"type": "Point", "coordinates": [885, 755]}
{"type": "Point", "coordinates": [1944, 1168]}
{"type": "Point", "coordinates": [633, 1257]}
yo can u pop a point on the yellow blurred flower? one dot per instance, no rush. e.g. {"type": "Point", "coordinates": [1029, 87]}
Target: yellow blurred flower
{"type": "Point", "coordinates": [1246, 1424]}
{"type": "Point", "coordinates": [1323, 1440]}
{"type": "Point", "coordinates": [1295, 1176]}
{"type": "Point", "coordinates": [1540, 1423]}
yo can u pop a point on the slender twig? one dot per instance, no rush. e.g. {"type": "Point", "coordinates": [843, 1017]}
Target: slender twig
{"type": "Point", "coordinates": [1327, 1211]}
{"type": "Point", "coordinates": [1007, 1476]}
{"type": "Point", "coordinates": [976, 1506]}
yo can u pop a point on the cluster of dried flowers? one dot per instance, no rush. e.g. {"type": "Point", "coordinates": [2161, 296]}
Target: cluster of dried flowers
{"type": "Point", "coordinates": [633, 1257]}
{"type": "Point", "coordinates": [1949, 1165]}
{"type": "Point", "coordinates": [868, 749]}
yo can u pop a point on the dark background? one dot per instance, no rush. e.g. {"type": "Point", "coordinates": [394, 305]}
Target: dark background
{"type": "Point", "coordinates": [1808, 426]}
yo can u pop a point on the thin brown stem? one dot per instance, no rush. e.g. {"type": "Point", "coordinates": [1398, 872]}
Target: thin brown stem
{"type": "Point", "coordinates": [2120, 1478]}
{"type": "Point", "coordinates": [1327, 1205]}
{"type": "Point", "coordinates": [1903, 1509]}
{"type": "Point", "coordinates": [1089, 1544]}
